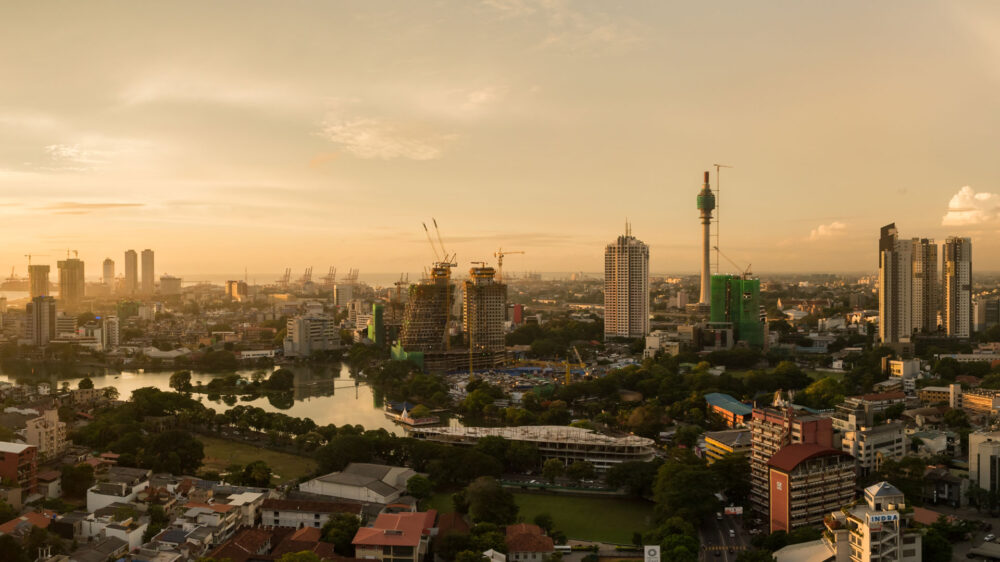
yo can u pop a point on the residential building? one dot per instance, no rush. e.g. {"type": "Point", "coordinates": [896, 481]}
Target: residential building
{"type": "Point", "coordinates": [50, 483]}
{"type": "Point", "coordinates": [527, 542]}
{"type": "Point", "coordinates": [986, 313]}
{"type": "Point", "coordinates": [396, 537]}
{"type": "Point", "coordinates": [876, 530]}
{"type": "Point", "coordinates": [925, 291]}
{"type": "Point", "coordinates": [872, 445]}
{"type": "Point", "coordinates": [131, 272]}
{"type": "Point", "coordinates": [40, 320]}
{"type": "Point", "coordinates": [108, 273]}
{"type": "Point", "coordinates": [303, 513]}
{"type": "Point", "coordinates": [950, 395]}
{"type": "Point", "coordinates": [984, 460]}
{"type": "Point", "coordinates": [626, 287]}
{"type": "Point", "coordinates": [310, 333]}
{"type": "Point", "coordinates": [943, 487]}
{"type": "Point", "coordinates": [362, 482]}
{"type": "Point", "coordinates": [484, 311]}
{"type": "Point", "coordinates": [19, 463]}
{"type": "Point", "coordinates": [719, 444]}
{"type": "Point", "coordinates": [771, 429]}
{"type": "Point", "coordinates": [903, 368]}
{"type": "Point", "coordinates": [47, 434]}
{"type": "Point", "coordinates": [38, 281]}
{"type": "Point", "coordinates": [568, 444]}
{"type": "Point", "coordinates": [237, 290]}
{"type": "Point", "coordinates": [895, 284]}
{"type": "Point", "coordinates": [110, 333]}
{"type": "Point", "coordinates": [71, 283]}
{"type": "Point", "coordinates": [981, 402]}
{"type": "Point", "coordinates": [733, 412]}
{"type": "Point", "coordinates": [806, 481]}
{"type": "Point", "coordinates": [956, 310]}
{"type": "Point", "coordinates": [148, 274]}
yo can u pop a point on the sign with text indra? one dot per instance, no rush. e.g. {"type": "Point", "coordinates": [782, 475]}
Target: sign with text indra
{"type": "Point", "coordinates": [883, 517]}
{"type": "Point", "coordinates": [652, 553]}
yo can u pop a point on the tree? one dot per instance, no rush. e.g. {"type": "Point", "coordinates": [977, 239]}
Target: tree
{"type": "Point", "coordinates": [636, 477]}
{"type": "Point", "coordinates": [732, 475]}
{"type": "Point", "coordinates": [304, 556]}
{"type": "Point", "coordinates": [174, 451]}
{"type": "Point", "coordinates": [687, 435]}
{"type": "Point", "coordinates": [580, 470]}
{"type": "Point", "coordinates": [935, 547]}
{"type": "Point", "coordinates": [257, 474]}
{"type": "Point", "coordinates": [469, 556]}
{"type": "Point", "coordinates": [544, 520]}
{"type": "Point", "coordinates": [552, 469]}
{"type": "Point", "coordinates": [7, 511]}
{"type": "Point", "coordinates": [681, 489]}
{"type": "Point", "coordinates": [180, 381]}
{"type": "Point", "coordinates": [340, 530]}
{"type": "Point", "coordinates": [521, 456]}
{"type": "Point", "coordinates": [111, 392]}
{"type": "Point", "coordinates": [419, 487]}
{"type": "Point", "coordinates": [489, 502]}
{"type": "Point", "coordinates": [10, 550]}
{"type": "Point", "coordinates": [755, 555]}
{"type": "Point", "coordinates": [85, 382]}
{"type": "Point", "coordinates": [77, 479]}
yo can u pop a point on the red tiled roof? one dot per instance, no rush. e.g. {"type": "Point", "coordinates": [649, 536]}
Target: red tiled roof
{"type": "Point", "coordinates": [397, 529]}
{"type": "Point", "coordinates": [36, 519]}
{"type": "Point", "coordinates": [306, 534]}
{"type": "Point", "coordinates": [452, 523]}
{"type": "Point", "coordinates": [791, 456]}
{"type": "Point", "coordinates": [525, 537]}
{"type": "Point", "coordinates": [216, 507]}
{"type": "Point", "coordinates": [928, 516]}
{"type": "Point", "coordinates": [49, 475]}
{"type": "Point", "coordinates": [245, 544]}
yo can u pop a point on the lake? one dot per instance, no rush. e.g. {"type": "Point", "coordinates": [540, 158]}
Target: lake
{"type": "Point", "coordinates": [326, 394]}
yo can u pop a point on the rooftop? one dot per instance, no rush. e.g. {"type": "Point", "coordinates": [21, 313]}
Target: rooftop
{"type": "Point", "coordinates": [8, 447]}
{"type": "Point", "coordinates": [312, 506]}
{"type": "Point", "coordinates": [791, 456]}
{"type": "Point", "coordinates": [545, 433]}
{"type": "Point", "coordinates": [397, 529]}
{"type": "Point", "coordinates": [729, 403]}
{"type": "Point", "coordinates": [733, 438]}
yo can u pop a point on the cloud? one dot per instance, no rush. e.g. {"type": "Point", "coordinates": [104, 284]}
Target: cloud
{"type": "Point", "coordinates": [968, 208]}
{"type": "Point", "coordinates": [379, 139]}
{"type": "Point", "coordinates": [74, 208]}
{"type": "Point", "coordinates": [825, 231]}
{"type": "Point", "coordinates": [570, 28]}
{"type": "Point", "coordinates": [73, 157]}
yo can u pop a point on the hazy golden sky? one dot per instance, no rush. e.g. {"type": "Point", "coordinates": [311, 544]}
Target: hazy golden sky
{"type": "Point", "coordinates": [274, 134]}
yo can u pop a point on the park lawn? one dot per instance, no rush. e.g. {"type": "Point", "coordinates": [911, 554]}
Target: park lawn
{"type": "Point", "coordinates": [590, 518]}
{"type": "Point", "coordinates": [221, 453]}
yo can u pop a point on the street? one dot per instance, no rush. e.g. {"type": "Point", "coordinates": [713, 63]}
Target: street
{"type": "Point", "coordinates": [716, 542]}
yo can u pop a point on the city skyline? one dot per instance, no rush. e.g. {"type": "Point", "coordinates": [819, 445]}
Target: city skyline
{"type": "Point", "coordinates": [509, 121]}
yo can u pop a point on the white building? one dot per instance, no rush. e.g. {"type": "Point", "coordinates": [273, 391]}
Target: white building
{"type": "Point", "coordinates": [984, 460]}
{"type": "Point", "coordinates": [110, 333]}
{"type": "Point", "coordinates": [957, 306]}
{"type": "Point", "coordinates": [895, 283]}
{"type": "Point", "coordinates": [306, 334]}
{"type": "Point", "coordinates": [626, 288]}
{"type": "Point", "coordinates": [363, 482]}
{"type": "Point", "coordinates": [48, 434]}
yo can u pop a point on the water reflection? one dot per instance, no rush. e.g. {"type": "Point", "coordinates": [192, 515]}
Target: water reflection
{"type": "Point", "coordinates": [324, 393]}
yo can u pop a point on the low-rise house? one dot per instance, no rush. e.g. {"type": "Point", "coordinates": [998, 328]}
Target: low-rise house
{"type": "Point", "coordinates": [221, 518]}
{"type": "Point", "coordinates": [303, 513]}
{"type": "Point", "coordinates": [528, 542]}
{"type": "Point", "coordinates": [50, 483]}
{"type": "Point", "coordinates": [396, 537]}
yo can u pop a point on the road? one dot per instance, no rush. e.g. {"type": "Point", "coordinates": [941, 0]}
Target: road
{"type": "Point", "coordinates": [716, 540]}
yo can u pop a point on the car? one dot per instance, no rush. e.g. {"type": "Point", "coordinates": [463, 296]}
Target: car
{"type": "Point", "coordinates": [718, 516]}
{"type": "Point", "coordinates": [990, 537]}
{"type": "Point", "coordinates": [718, 553]}
{"type": "Point", "coordinates": [732, 534]}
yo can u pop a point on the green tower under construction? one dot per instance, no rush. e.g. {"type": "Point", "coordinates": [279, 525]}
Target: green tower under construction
{"type": "Point", "coordinates": [736, 299]}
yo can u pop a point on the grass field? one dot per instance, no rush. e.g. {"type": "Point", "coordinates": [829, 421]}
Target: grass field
{"type": "Point", "coordinates": [576, 516]}
{"type": "Point", "coordinates": [220, 453]}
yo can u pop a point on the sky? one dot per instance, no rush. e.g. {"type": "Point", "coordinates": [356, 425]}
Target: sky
{"type": "Point", "coordinates": [266, 135]}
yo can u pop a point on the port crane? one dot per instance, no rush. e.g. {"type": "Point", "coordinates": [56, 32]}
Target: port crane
{"type": "Point", "coordinates": [499, 254]}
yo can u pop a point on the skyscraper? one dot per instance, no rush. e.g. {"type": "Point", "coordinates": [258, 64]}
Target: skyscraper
{"type": "Point", "coordinates": [626, 287]}
{"type": "Point", "coordinates": [484, 310]}
{"type": "Point", "coordinates": [40, 325]}
{"type": "Point", "coordinates": [71, 282]}
{"type": "Point", "coordinates": [925, 289]}
{"type": "Point", "coordinates": [895, 280]}
{"type": "Point", "coordinates": [131, 272]}
{"type": "Point", "coordinates": [957, 306]}
{"type": "Point", "coordinates": [706, 204]}
{"type": "Point", "coordinates": [148, 276]}
{"type": "Point", "coordinates": [108, 273]}
{"type": "Point", "coordinates": [38, 280]}
{"type": "Point", "coordinates": [736, 299]}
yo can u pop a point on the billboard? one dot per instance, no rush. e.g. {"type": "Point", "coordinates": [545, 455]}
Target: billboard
{"type": "Point", "coordinates": [651, 553]}
{"type": "Point", "coordinates": [734, 510]}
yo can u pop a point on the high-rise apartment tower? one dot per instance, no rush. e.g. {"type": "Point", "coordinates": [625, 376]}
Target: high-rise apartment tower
{"type": "Point", "coordinates": [108, 273]}
{"type": "Point", "coordinates": [71, 282]}
{"type": "Point", "coordinates": [38, 280]}
{"type": "Point", "coordinates": [626, 287]}
{"type": "Point", "coordinates": [956, 309]}
{"type": "Point", "coordinates": [131, 272]}
{"type": "Point", "coordinates": [148, 275]}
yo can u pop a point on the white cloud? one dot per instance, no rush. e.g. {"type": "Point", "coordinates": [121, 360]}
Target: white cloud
{"type": "Point", "coordinates": [826, 231]}
{"type": "Point", "coordinates": [379, 139]}
{"type": "Point", "coordinates": [73, 157]}
{"type": "Point", "coordinates": [570, 28]}
{"type": "Point", "coordinates": [968, 208]}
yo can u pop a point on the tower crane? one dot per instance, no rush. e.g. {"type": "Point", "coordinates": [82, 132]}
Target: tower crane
{"type": "Point", "coordinates": [499, 254]}
{"type": "Point", "coordinates": [746, 271]}
{"type": "Point", "coordinates": [29, 256]}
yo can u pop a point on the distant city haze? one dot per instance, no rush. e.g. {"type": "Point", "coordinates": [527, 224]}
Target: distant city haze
{"type": "Point", "coordinates": [232, 135]}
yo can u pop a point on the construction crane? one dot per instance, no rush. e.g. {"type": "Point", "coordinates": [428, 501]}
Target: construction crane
{"type": "Point", "coordinates": [330, 279]}
{"type": "Point", "coordinates": [718, 197]}
{"type": "Point", "coordinates": [29, 256]}
{"type": "Point", "coordinates": [404, 279]}
{"type": "Point", "coordinates": [576, 351]}
{"type": "Point", "coordinates": [746, 271]}
{"type": "Point", "coordinates": [431, 242]}
{"type": "Point", "coordinates": [441, 271]}
{"type": "Point", "coordinates": [569, 374]}
{"type": "Point", "coordinates": [499, 254]}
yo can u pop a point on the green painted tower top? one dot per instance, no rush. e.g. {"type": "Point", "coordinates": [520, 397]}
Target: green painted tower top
{"type": "Point", "coordinates": [706, 199]}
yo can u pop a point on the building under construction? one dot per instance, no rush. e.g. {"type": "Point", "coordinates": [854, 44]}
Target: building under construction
{"type": "Point", "coordinates": [484, 309]}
